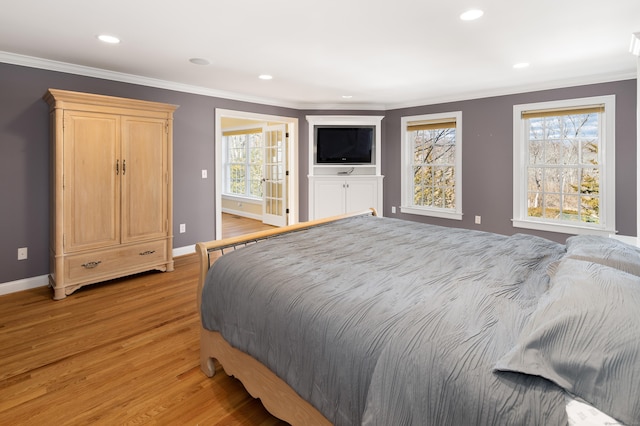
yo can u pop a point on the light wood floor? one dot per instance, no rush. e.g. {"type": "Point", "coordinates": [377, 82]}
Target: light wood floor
{"type": "Point", "coordinates": [233, 225]}
{"type": "Point", "coordinates": [123, 352]}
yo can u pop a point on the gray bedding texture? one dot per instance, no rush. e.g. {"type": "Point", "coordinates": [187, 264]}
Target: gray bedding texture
{"type": "Point", "coordinates": [379, 321]}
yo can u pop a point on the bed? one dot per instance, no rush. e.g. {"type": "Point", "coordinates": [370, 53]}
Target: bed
{"type": "Point", "coordinates": [365, 320]}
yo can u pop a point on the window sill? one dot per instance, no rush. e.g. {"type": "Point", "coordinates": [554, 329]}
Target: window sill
{"type": "Point", "coordinates": [561, 228]}
{"type": "Point", "coordinates": [444, 214]}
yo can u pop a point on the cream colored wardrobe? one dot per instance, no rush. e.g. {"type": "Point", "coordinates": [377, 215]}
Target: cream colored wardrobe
{"type": "Point", "coordinates": [111, 188]}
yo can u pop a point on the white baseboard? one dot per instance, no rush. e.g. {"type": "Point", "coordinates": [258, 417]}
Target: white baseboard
{"type": "Point", "coordinates": [24, 284]}
{"type": "Point", "coordinates": [243, 214]}
{"type": "Point", "coordinates": [181, 251]}
{"type": "Point", "coordinates": [43, 280]}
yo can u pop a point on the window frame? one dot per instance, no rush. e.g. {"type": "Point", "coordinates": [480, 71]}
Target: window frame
{"type": "Point", "coordinates": [407, 205]}
{"type": "Point", "coordinates": [247, 164]}
{"type": "Point", "coordinates": [606, 152]}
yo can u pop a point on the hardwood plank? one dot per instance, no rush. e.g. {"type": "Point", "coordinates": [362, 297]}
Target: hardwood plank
{"type": "Point", "coordinates": [233, 225]}
{"type": "Point", "coordinates": [122, 352]}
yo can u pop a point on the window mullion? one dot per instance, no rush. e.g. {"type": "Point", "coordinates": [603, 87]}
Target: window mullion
{"type": "Point", "coordinates": [247, 166]}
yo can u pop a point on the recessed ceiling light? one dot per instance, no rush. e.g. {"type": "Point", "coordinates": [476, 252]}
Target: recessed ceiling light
{"type": "Point", "coordinates": [265, 77]}
{"type": "Point", "coordinates": [521, 65]}
{"type": "Point", "coordinates": [471, 15]}
{"type": "Point", "coordinates": [347, 96]}
{"type": "Point", "coordinates": [108, 39]}
{"type": "Point", "coordinates": [200, 61]}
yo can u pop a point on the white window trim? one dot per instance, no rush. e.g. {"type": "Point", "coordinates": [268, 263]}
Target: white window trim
{"type": "Point", "coordinates": [406, 185]}
{"type": "Point", "coordinates": [608, 198]}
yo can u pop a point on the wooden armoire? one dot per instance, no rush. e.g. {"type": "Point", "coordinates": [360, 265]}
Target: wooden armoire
{"type": "Point", "coordinates": [111, 188]}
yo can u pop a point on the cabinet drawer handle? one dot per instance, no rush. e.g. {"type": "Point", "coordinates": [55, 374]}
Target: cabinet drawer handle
{"type": "Point", "coordinates": [91, 265]}
{"type": "Point", "coordinates": [145, 253]}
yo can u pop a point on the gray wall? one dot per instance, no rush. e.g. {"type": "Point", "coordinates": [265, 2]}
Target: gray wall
{"type": "Point", "coordinates": [24, 160]}
{"type": "Point", "coordinates": [487, 158]}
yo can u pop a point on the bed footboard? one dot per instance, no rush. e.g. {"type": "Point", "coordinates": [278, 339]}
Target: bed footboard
{"type": "Point", "coordinates": [277, 397]}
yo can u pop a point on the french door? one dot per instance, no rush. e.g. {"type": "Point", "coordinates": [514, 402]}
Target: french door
{"type": "Point", "coordinates": [274, 204]}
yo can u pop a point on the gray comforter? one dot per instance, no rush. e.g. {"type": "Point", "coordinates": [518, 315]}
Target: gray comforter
{"type": "Point", "coordinates": [387, 322]}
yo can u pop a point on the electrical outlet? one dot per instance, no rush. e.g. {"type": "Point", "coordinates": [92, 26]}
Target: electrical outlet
{"type": "Point", "coordinates": [393, 209]}
{"type": "Point", "coordinates": [22, 253]}
{"type": "Point", "coordinates": [478, 220]}
{"type": "Point", "coordinates": [183, 228]}
{"type": "Point", "coordinates": [204, 173]}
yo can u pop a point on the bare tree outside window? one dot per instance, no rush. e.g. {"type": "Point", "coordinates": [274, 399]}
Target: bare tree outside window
{"type": "Point", "coordinates": [433, 167]}
{"type": "Point", "coordinates": [564, 167]}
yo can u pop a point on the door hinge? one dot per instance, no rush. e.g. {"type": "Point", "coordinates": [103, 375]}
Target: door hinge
{"type": "Point", "coordinates": [286, 173]}
{"type": "Point", "coordinates": [287, 211]}
{"type": "Point", "coordinates": [166, 128]}
{"type": "Point", "coordinates": [286, 135]}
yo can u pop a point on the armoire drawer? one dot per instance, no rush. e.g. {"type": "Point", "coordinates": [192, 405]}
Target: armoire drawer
{"type": "Point", "coordinates": [113, 262]}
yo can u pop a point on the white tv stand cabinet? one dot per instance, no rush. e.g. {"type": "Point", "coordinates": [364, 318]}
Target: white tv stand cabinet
{"type": "Point", "coordinates": [342, 188]}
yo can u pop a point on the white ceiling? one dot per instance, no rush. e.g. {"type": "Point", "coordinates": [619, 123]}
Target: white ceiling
{"type": "Point", "coordinates": [383, 53]}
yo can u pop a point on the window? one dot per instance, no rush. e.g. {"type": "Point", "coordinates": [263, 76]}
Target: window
{"type": "Point", "coordinates": [243, 169]}
{"type": "Point", "coordinates": [432, 165]}
{"type": "Point", "coordinates": [563, 168]}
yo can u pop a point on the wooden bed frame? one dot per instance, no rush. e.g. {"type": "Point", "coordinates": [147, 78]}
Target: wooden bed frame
{"type": "Point", "coordinates": [277, 397]}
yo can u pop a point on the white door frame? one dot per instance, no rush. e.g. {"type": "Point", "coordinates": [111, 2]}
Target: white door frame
{"type": "Point", "coordinates": [292, 153]}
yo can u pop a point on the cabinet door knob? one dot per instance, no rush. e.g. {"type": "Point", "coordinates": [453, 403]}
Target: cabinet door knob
{"type": "Point", "coordinates": [91, 265]}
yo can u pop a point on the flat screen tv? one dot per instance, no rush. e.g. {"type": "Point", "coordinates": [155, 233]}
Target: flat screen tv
{"type": "Point", "coordinates": [344, 144]}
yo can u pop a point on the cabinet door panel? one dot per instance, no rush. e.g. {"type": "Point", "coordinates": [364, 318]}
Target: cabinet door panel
{"type": "Point", "coordinates": [91, 185]}
{"type": "Point", "coordinates": [144, 178]}
{"type": "Point", "coordinates": [329, 198]}
{"type": "Point", "coordinates": [361, 195]}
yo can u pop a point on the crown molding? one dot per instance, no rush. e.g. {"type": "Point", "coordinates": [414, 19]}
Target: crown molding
{"type": "Point", "coordinates": [535, 87]}
{"type": "Point", "coordinates": [65, 67]}
{"type": "Point", "coordinates": [50, 65]}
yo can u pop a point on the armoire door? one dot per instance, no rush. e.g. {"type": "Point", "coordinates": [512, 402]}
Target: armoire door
{"type": "Point", "coordinates": [91, 189]}
{"type": "Point", "coordinates": [144, 178]}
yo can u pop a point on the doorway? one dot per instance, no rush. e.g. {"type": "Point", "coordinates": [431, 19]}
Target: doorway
{"type": "Point", "coordinates": [280, 179]}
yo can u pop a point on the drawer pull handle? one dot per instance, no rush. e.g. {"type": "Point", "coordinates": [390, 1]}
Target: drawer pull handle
{"type": "Point", "coordinates": [91, 265]}
{"type": "Point", "coordinates": [145, 253]}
